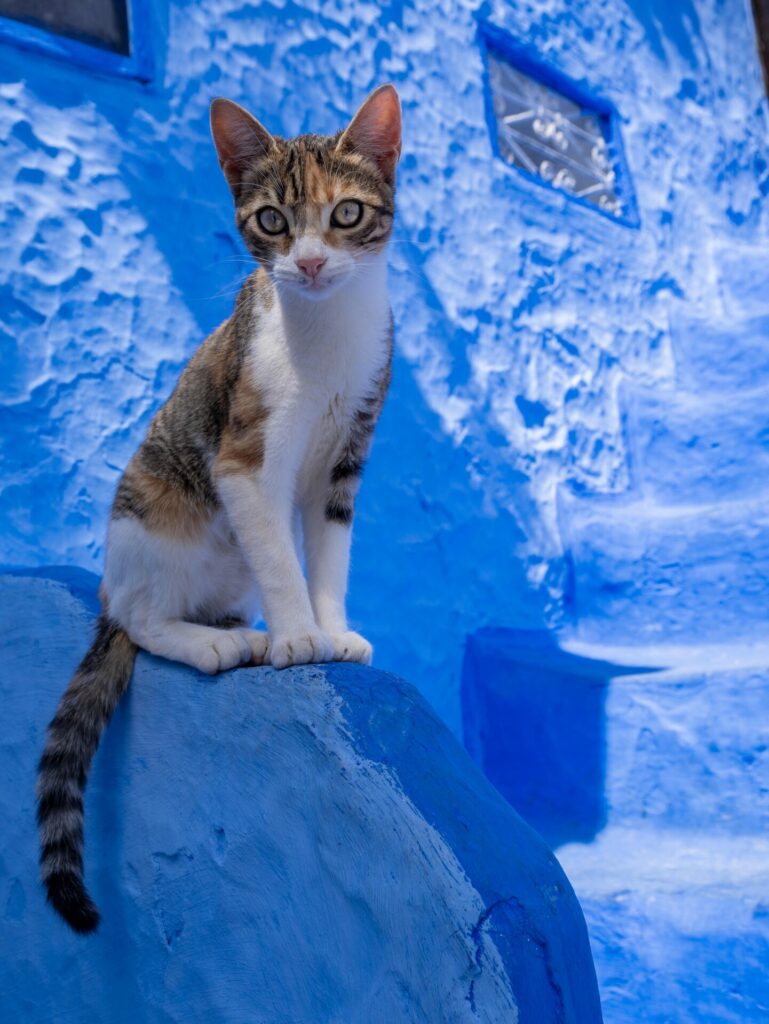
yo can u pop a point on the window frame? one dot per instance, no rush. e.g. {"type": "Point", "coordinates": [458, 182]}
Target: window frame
{"type": "Point", "coordinates": [526, 60]}
{"type": "Point", "coordinates": [760, 9]}
{"type": "Point", "coordinates": [138, 64]}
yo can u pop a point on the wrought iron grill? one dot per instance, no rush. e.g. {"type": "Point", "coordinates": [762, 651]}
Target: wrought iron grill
{"type": "Point", "coordinates": [553, 138]}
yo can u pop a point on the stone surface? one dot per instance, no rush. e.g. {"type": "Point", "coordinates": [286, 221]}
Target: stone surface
{"type": "Point", "coordinates": [308, 845]}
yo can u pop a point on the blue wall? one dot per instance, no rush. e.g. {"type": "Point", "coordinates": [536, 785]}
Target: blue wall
{"type": "Point", "coordinates": [522, 318]}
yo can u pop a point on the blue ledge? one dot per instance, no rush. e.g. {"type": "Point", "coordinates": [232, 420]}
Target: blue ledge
{"type": "Point", "coordinates": [269, 846]}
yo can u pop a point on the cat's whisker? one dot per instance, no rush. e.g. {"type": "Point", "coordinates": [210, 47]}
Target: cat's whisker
{"type": "Point", "coordinates": [229, 289]}
{"type": "Point", "coordinates": [232, 259]}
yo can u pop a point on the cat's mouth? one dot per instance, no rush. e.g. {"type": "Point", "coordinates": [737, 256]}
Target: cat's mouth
{"type": "Point", "coordinates": [319, 287]}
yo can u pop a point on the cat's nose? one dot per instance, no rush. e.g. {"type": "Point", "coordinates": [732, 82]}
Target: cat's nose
{"type": "Point", "coordinates": [311, 267]}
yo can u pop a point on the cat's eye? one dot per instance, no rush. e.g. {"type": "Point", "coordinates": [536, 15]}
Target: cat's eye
{"type": "Point", "coordinates": [347, 214]}
{"type": "Point", "coordinates": [271, 220]}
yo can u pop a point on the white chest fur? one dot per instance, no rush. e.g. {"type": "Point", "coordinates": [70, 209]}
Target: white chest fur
{"type": "Point", "coordinates": [315, 362]}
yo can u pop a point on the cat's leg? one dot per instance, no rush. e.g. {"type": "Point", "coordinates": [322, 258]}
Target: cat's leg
{"type": "Point", "coordinates": [327, 522]}
{"type": "Point", "coordinates": [258, 639]}
{"type": "Point", "coordinates": [259, 508]}
{"type": "Point", "coordinates": [259, 642]}
{"type": "Point", "coordinates": [203, 647]}
{"type": "Point", "coordinates": [166, 593]}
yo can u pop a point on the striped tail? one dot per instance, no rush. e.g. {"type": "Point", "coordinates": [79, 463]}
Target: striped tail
{"type": "Point", "coordinates": [73, 736]}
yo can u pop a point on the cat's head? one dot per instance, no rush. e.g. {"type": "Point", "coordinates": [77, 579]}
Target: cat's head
{"type": "Point", "coordinates": [314, 210]}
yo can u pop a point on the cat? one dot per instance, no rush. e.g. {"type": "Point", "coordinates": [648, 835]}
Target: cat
{"type": "Point", "coordinates": [267, 430]}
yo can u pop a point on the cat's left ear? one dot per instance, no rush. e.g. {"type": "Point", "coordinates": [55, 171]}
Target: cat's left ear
{"type": "Point", "coordinates": [239, 139]}
{"type": "Point", "coordinates": [375, 131]}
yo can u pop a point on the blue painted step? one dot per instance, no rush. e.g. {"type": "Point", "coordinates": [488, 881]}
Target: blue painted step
{"type": "Point", "coordinates": [575, 736]}
{"type": "Point", "coordinates": [730, 355]}
{"type": "Point", "coordinates": [687, 449]}
{"type": "Point", "coordinates": [644, 572]}
{"type": "Point", "coordinates": [679, 923]}
{"type": "Point", "coordinates": [655, 786]}
{"type": "Point", "coordinates": [688, 747]}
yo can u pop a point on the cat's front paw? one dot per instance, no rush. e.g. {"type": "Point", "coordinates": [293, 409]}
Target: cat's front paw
{"type": "Point", "coordinates": [301, 648]}
{"type": "Point", "coordinates": [260, 646]}
{"type": "Point", "coordinates": [351, 646]}
{"type": "Point", "coordinates": [228, 649]}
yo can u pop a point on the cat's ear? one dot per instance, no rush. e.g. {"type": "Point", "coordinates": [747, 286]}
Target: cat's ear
{"type": "Point", "coordinates": [375, 131]}
{"type": "Point", "coordinates": [239, 139]}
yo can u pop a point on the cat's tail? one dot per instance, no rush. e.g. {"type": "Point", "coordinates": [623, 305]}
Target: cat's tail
{"type": "Point", "coordinates": [99, 682]}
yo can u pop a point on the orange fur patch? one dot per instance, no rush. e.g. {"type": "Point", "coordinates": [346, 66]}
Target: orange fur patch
{"type": "Point", "coordinates": [167, 509]}
{"type": "Point", "coordinates": [241, 449]}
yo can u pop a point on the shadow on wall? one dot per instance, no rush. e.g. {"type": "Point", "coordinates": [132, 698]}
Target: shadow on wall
{"type": "Point", "coordinates": [534, 719]}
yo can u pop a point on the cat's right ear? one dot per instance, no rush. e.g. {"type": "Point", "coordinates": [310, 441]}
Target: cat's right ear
{"type": "Point", "coordinates": [239, 139]}
{"type": "Point", "coordinates": [375, 131]}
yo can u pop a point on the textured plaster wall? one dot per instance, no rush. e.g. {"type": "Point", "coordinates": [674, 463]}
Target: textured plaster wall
{"type": "Point", "coordinates": [519, 314]}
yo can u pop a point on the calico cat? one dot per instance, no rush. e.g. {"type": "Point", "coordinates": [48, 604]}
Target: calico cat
{"type": "Point", "coordinates": [264, 438]}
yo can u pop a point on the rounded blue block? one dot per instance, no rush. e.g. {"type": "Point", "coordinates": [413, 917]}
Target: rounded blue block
{"type": "Point", "coordinates": [306, 846]}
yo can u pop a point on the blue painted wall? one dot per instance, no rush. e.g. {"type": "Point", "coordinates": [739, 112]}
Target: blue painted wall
{"type": "Point", "coordinates": [574, 452]}
{"type": "Point", "coordinates": [522, 318]}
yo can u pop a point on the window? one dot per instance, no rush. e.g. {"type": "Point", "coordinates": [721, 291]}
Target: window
{"type": "Point", "coordinates": [98, 22]}
{"type": "Point", "coordinates": [548, 128]}
{"type": "Point", "coordinates": [106, 35]}
{"type": "Point", "coordinates": [761, 17]}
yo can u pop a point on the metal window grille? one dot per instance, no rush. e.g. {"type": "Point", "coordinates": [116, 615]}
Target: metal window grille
{"type": "Point", "coordinates": [553, 138]}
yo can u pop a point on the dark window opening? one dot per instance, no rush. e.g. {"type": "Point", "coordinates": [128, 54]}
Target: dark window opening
{"type": "Point", "coordinates": [102, 23]}
{"type": "Point", "coordinates": [761, 16]}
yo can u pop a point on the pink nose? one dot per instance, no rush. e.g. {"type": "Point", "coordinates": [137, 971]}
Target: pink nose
{"type": "Point", "coordinates": [311, 267]}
